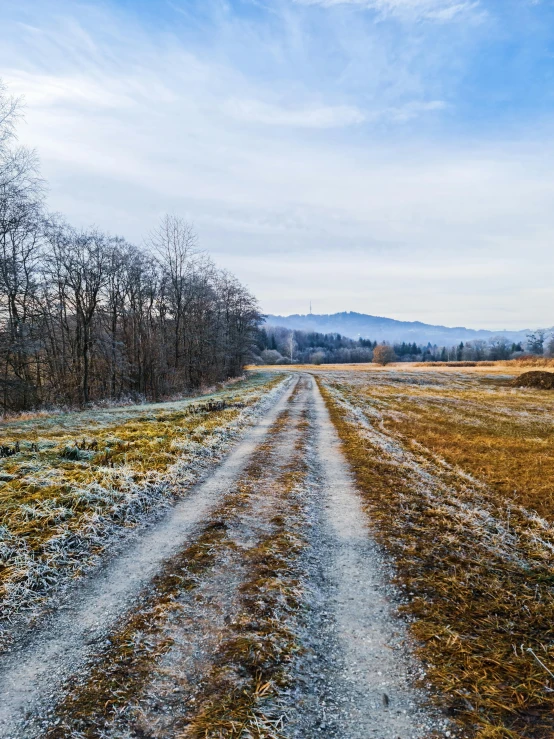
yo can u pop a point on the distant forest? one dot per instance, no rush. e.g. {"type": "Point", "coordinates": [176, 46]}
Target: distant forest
{"type": "Point", "coordinates": [278, 345]}
{"type": "Point", "coordinates": [85, 316]}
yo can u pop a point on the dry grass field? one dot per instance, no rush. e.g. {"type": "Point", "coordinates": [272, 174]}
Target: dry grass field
{"type": "Point", "coordinates": [456, 470]}
{"type": "Point", "coordinates": [453, 467]}
{"type": "Point", "coordinates": [71, 480]}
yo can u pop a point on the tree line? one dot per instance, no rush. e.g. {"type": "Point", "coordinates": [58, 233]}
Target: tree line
{"type": "Point", "coordinates": [279, 345]}
{"type": "Point", "coordinates": [85, 316]}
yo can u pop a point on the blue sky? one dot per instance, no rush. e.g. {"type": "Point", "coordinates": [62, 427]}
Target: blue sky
{"type": "Point", "coordinates": [393, 157]}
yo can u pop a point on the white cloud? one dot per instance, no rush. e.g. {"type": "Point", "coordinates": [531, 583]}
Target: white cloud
{"type": "Point", "coordinates": [300, 198]}
{"type": "Point", "coordinates": [321, 116]}
{"type": "Point", "coordinates": [76, 91]}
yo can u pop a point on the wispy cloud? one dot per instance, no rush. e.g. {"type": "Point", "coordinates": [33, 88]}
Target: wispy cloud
{"type": "Point", "coordinates": [319, 116]}
{"type": "Point", "coordinates": [437, 10]}
{"type": "Point", "coordinates": [312, 150]}
{"type": "Point", "coordinates": [323, 116]}
{"type": "Point", "coordinates": [413, 109]}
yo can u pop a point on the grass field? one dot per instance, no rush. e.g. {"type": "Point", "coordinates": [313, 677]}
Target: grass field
{"type": "Point", "coordinates": [454, 467]}
{"type": "Point", "coordinates": [72, 479]}
{"type": "Point", "coordinates": [456, 472]}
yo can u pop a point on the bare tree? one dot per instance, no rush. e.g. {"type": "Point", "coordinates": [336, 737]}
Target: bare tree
{"type": "Point", "coordinates": [174, 243]}
{"type": "Point", "coordinates": [383, 354]}
{"type": "Point", "coordinates": [21, 193]}
{"type": "Point", "coordinates": [291, 345]}
{"type": "Point", "coordinates": [85, 316]}
{"type": "Point", "coordinates": [10, 112]}
{"type": "Point", "coordinates": [535, 341]}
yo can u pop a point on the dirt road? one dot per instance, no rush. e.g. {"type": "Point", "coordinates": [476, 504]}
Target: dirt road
{"type": "Point", "coordinates": [258, 607]}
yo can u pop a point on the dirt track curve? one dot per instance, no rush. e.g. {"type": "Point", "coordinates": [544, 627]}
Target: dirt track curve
{"type": "Point", "coordinates": [274, 546]}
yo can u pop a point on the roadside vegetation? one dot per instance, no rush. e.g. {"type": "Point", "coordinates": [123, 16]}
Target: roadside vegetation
{"type": "Point", "coordinates": [456, 471]}
{"type": "Point", "coordinates": [70, 481]}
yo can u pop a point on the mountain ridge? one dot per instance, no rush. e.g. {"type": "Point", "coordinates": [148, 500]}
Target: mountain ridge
{"type": "Point", "coordinates": [380, 328]}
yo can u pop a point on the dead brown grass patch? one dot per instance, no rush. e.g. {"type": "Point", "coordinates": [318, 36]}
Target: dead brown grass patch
{"type": "Point", "coordinates": [478, 580]}
{"type": "Point", "coordinates": [531, 360]}
{"type": "Point", "coordinates": [454, 364]}
{"type": "Point", "coordinates": [513, 455]}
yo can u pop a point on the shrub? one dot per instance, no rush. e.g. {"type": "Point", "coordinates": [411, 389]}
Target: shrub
{"type": "Point", "coordinates": [383, 354]}
{"type": "Point", "coordinates": [271, 356]}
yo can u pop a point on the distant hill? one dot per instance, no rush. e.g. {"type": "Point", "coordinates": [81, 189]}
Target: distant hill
{"type": "Point", "coordinates": [356, 325]}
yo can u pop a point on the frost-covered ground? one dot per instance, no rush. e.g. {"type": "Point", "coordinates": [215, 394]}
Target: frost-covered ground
{"type": "Point", "coordinates": [456, 474]}
{"type": "Point", "coordinates": [439, 509]}
{"type": "Point", "coordinates": [258, 607]}
{"type": "Point", "coordinates": [75, 481]}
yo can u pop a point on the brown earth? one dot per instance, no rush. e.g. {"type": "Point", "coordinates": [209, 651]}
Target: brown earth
{"type": "Point", "coordinates": [535, 379]}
